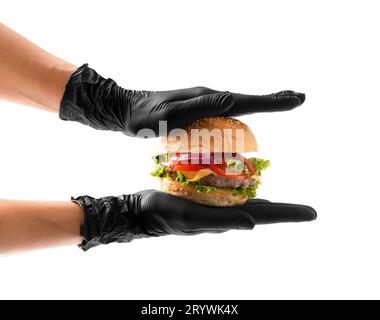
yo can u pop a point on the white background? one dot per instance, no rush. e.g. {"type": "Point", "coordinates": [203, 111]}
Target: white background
{"type": "Point", "coordinates": [324, 154]}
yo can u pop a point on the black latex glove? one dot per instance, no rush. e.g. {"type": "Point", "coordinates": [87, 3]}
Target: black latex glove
{"type": "Point", "coordinates": [153, 213]}
{"type": "Point", "coordinates": [102, 104]}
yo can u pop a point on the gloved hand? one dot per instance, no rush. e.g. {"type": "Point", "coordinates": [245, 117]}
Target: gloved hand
{"type": "Point", "coordinates": [102, 104]}
{"type": "Point", "coordinates": [153, 213]}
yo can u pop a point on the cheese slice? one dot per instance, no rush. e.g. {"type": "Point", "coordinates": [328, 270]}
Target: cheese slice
{"type": "Point", "coordinates": [198, 175]}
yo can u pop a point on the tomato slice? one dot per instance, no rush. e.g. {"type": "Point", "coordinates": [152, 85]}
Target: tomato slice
{"type": "Point", "coordinates": [177, 163]}
{"type": "Point", "coordinates": [219, 170]}
{"type": "Point", "coordinates": [250, 166]}
{"type": "Point", "coordinates": [188, 167]}
{"type": "Point", "coordinates": [223, 172]}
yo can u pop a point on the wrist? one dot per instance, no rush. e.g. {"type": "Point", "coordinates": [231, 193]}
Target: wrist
{"type": "Point", "coordinates": [59, 75]}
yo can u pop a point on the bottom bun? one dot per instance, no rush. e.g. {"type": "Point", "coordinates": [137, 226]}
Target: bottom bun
{"type": "Point", "coordinates": [216, 198]}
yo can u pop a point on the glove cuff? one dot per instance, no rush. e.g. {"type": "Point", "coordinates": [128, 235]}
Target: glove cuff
{"type": "Point", "coordinates": [94, 101]}
{"type": "Point", "coordinates": [106, 220]}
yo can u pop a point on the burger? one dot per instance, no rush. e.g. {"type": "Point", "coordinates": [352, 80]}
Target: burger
{"type": "Point", "coordinates": [205, 162]}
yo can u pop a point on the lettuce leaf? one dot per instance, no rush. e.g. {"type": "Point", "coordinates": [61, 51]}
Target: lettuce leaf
{"type": "Point", "coordinates": [235, 165]}
{"type": "Point", "coordinates": [159, 172]}
{"type": "Point", "coordinates": [161, 158]}
{"type": "Point", "coordinates": [260, 165]}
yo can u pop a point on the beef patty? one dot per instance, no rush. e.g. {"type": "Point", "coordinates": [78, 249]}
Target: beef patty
{"type": "Point", "coordinates": [218, 181]}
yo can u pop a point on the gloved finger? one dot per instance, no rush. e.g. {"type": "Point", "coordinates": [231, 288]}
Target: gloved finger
{"type": "Point", "coordinates": [193, 233]}
{"type": "Point", "coordinates": [209, 219]}
{"type": "Point", "coordinates": [180, 113]}
{"type": "Point", "coordinates": [281, 101]}
{"type": "Point", "coordinates": [265, 212]}
{"type": "Point", "coordinates": [199, 218]}
{"type": "Point", "coordinates": [185, 94]}
{"type": "Point", "coordinates": [195, 218]}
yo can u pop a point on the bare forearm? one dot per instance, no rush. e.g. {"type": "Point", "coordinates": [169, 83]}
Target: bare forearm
{"type": "Point", "coordinates": [26, 225]}
{"type": "Point", "coordinates": [30, 75]}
